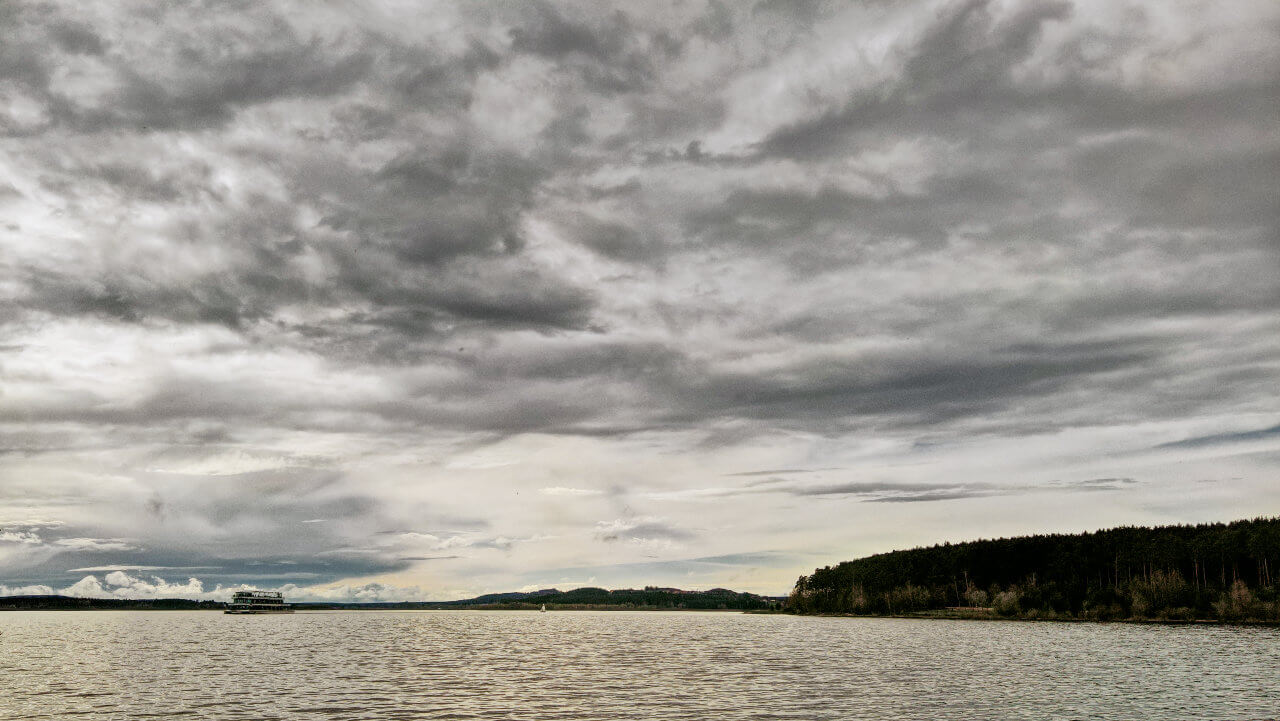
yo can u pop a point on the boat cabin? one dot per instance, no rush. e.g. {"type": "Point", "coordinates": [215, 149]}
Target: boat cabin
{"type": "Point", "coordinates": [258, 602]}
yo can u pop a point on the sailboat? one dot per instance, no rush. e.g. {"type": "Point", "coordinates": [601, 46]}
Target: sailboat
{"type": "Point", "coordinates": [544, 608]}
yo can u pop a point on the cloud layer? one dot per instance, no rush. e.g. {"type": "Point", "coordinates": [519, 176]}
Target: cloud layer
{"type": "Point", "coordinates": [443, 297]}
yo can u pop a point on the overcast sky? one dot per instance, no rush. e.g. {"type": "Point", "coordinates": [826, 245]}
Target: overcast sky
{"type": "Point", "coordinates": [391, 300]}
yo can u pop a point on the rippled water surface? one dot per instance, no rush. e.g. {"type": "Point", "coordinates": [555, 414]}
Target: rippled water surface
{"type": "Point", "coordinates": [618, 665]}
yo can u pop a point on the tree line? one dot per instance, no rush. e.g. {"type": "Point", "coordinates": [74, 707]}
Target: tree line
{"type": "Point", "coordinates": [68, 603]}
{"type": "Point", "coordinates": [1207, 571]}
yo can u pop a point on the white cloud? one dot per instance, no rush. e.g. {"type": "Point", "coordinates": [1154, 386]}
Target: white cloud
{"type": "Point", "coordinates": [36, 590]}
{"type": "Point", "coordinates": [95, 544]}
{"type": "Point", "coordinates": [563, 491]}
{"type": "Point", "coordinates": [349, 593]}
{"type": "Point", "coordinates": [24, 537]}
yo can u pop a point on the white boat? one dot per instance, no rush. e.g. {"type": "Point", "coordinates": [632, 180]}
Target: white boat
{"type": "Point", "coordinates": [258, 602]}
{"type": "Point", "coordinates": [544, 608]}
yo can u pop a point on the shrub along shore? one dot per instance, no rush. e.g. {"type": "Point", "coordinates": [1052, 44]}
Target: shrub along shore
{"type": "Point", "coordinates": [1208, 572]}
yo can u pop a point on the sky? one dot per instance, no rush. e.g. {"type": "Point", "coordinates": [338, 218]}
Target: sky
{"type": "Point", "coordinates": [415, 301]}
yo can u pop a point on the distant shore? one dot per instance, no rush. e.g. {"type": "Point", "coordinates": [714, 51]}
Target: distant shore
{"type": "Point", "coordinates": [580, 599]}
{"type": "Point", "coordinates": [65, 603]}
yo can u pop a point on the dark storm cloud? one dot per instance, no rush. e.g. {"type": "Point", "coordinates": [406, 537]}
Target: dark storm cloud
{"type": "Point", "coordinates": [1260, 434]}
{"type": "Point", "coordinates": [354, 233]}
{"type": "Point", "coordinates": [898, 492]}
{"type": "Point", "coordinates": [432, 205]}
{"type": "Point", "coordinates": [876, 491]}
{"type": "Point", "coordinates": [67, 568]}
{"type": "Point", "coordinates": [916, 389]}
{"type": "Point", "coordinates": [616, 240]}
{"type": "Point", "coordinates": [393, 231]}
{"type": "Point", "coordinates": [608, 55]}
{"type": "Point", "coordinates": [399, 247]}
{"type": "Point", "coordinates": [963, 61]}
{"type": "Point", "coordinates": [220, 86]}
{"type": "Point", "coordinates": [199, 74]}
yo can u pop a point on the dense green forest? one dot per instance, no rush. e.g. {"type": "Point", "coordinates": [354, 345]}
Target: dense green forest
{"type": "Point", "coordinates": [1209, 571]}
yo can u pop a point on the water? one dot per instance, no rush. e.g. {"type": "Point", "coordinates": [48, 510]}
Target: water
{"type": "Point", "coordinates": [619, 665]}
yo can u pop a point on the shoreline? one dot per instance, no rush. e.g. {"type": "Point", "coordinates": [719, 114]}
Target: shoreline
{"type": "Point", "coordinates": [914, 616]}
{"type": "Point", "coordinates": [945, 616]}
{"type": "Point", "coordinates": [400, 610]}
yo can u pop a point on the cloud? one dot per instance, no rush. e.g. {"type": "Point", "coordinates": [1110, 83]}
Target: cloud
{"type": "Point", "coordinates": [118, 584]}
{"type": "Point", "coordinates": [277, 282]}
{"type": "Point", "coordinates": [350, 593]}
{"type": "Point", "coordinates": [34, 590]}
{"type": "Point", "coordinates": [99, 569]}
{"type": "Point", "coordinates": [24, 537]}
{"type": "Point", "coordinates": [1093, 484]}
{"type": "Point", "coordinates": [609, 56]}
{"type": "Point", "coordinates": [1260, 434]}
{"type": "Point", "coordinates": [94, 544]}
{"type": "Point", "coordinates": [564, 491]}
{"type": "Point", "coordinates": [889, 491]}
{"type": "Point", "coordinates": [901, 493]}
{"type": "Point", "coordinates": [781, 472]}
{"type": "Point", "coordinates": [643, 530]}
{"type": "Point", "coordinates": [757, 558]}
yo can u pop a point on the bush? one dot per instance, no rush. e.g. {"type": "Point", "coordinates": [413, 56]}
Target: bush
{"type": "Point", "coordinates": [1158, 591]}
{"type": "Point", "coordinates": [908, 598]}
{"type": "Point", "coordinates": [858, 602]}
{"type": "Point", "coordinates": [974, 596]}
{"type": "Point", "coordinates": [1105, 604]}
{"type": "Point", "coordinates": [1236, 604]}
{"type": "Point", "coordinates": [1006, 603]}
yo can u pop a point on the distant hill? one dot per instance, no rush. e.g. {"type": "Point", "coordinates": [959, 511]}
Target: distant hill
{"type": "Point", "coordinates": [648, 598]}
{"type": "Point", "coordinates": [1209, 571]}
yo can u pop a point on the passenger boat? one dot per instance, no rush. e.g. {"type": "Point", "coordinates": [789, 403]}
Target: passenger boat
{"type": "Point", "coordinates": [258, 602]}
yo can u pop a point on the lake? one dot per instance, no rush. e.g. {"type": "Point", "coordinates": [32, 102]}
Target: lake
{"type": "Point", "coordinates": [622, 665]}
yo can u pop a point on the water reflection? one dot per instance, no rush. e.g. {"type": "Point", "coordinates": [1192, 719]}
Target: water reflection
{"type": "Point", "coordinates": [643, 665]}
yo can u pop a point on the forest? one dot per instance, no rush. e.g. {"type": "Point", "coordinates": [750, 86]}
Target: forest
{"type": "Point", "coordinates": [1216, 571]}
{"type": "Point", "coordinates": [69, 603]}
